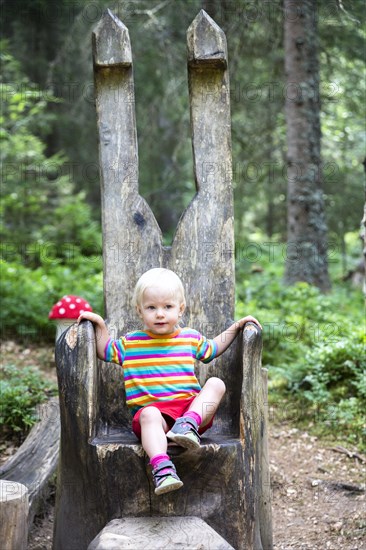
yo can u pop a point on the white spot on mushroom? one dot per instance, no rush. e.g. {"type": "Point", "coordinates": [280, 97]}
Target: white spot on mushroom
{"type": "Point", "coordinates": [62, 310]}
{"type": "Point", "coordinates": [72, 306]}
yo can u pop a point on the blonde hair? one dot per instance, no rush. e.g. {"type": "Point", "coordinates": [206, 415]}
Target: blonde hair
{"type": "Point", "coordinates": [159, 277]}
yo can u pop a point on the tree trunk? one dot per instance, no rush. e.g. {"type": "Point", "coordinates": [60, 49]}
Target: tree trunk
{"type": "Point", "coordinates": [363, 233]}
{"type": "Point", "coordinates": [306, 258]}
{"type": "Point", "coordinates": [13, 515]}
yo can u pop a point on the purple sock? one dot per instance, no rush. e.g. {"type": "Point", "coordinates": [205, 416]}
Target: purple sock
{"type": "Point", "coordinates": [195, 416]}
{"type": "Point", "coordinates": [155, 460]}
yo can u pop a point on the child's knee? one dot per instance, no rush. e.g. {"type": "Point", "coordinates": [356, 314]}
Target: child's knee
{"type": "Point", "coordinates": [217, 385]}
{"type": "Point", "coordinates": [150, 414]}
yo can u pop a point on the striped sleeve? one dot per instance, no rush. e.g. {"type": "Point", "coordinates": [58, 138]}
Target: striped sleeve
{"type": "Point", "coordinates": [206, 349]}
{"type": "Point", "coordinates": [115, 351]}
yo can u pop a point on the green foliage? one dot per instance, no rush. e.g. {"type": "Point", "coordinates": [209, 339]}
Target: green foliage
{"type": "Point", "coordinates": [28, 294]}
{"type": "Point", "coordinates": [39, 208]}
{"type": "Point", "coordinates": [61, 56]}
{"type": "Point", "coordinates": [28, 190]}
{"type": "Point", "coordinates": [313, 344]}
{"type": "Point", "coordinates": [21, 390]}
{"type": "Point", "coordinates": [51, 246]}
{"type": "Point", "coordinates": [333, 382]}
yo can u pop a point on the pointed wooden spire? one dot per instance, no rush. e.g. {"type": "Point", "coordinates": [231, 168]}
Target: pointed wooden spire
{"type": "Point", "coordinates": [206, 42]}
{"type": "Point", "coordinates": [111, 42]}
{"type": "Point", "coordinates": [130, 231]}
{"type": "Point", "coordinates": [205, 232]}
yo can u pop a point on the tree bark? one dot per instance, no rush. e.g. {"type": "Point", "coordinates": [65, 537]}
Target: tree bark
{"type": "Point", "coordinates": [13, 515]}
{"type": "Point", "coordinates": [306, 258]}
{"type": "Point", "coordinates": [363, 233]}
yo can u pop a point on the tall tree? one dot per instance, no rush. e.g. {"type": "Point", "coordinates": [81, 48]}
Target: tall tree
{"type": "Point", "coordinates": [306, 227]}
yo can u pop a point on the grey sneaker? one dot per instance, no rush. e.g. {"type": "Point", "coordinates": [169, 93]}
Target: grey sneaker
{"type": "Point", "coordinates": [166, 478]}
{"type": "Point", "coordinates": [185, 433]}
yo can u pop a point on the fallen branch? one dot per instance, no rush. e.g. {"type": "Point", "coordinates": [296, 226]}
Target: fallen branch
{"type": "Point", "coordinates": [337, 485]}
{"type": "Point", "coordinates": [340, 486]}
{"type": "Point", "coordinates": [350, 454]}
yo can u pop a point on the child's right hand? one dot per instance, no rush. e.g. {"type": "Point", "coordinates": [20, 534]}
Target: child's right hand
{"type": "Point", "coordinates": [93, 317]}
{"type": "Point", "coordinates": [101, 331]}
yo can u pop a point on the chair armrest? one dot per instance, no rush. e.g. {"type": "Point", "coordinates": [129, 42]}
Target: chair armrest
{"type": "Point", "coordinates": [254, 434]}
{"type": "Point", "coordinates": [77, 363]}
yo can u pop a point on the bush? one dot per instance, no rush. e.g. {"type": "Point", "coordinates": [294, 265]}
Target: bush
{"type": "Point", "coordinates": [27, 295]}
{"type": "Point", "coordinates": [312, 345]}
{"type": "Point", "coordinates": [51, 245]}
{"type": "Point", "coordinates": [21, 390]}
{"type": "Point", "coordinates": [335, 385]}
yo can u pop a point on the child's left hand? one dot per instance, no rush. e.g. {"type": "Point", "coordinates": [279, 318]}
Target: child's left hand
{"type": "Point", "coordinates": [224, 339]}
{"type": "Point", "coordinates": [249, 319]}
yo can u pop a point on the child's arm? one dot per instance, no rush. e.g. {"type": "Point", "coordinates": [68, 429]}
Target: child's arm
{"type": "Point", "coordinates": [226, 338]}
{"type": "Point", "coordinates": [101, 331]}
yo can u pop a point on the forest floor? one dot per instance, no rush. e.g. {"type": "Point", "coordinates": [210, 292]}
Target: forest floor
{"type": "Point", "coordinates": [317, 487]}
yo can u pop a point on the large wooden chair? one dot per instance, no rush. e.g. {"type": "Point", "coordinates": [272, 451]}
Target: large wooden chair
{"type": "Point", "coordinates": [103, 471]}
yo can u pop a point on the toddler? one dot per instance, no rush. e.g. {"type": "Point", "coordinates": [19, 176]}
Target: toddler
{"type": "Point", "coordinates": [162, 390]}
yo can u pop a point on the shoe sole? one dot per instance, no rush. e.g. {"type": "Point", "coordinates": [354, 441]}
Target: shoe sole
{"type": "Point", "coordinates": [168, 488]}
{"type": "Point", "coordinates": [183, 441]}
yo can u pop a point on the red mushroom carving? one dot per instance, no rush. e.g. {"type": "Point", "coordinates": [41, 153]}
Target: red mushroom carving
{"type": "Point", "coordinates": [66, 311]}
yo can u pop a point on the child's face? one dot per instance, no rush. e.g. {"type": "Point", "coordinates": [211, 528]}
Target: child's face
{"type": "Point", "coordinates": [159, 310]}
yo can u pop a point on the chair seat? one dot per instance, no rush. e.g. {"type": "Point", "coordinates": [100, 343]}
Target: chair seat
{"type": "Point", "coordinates": [116, 436]}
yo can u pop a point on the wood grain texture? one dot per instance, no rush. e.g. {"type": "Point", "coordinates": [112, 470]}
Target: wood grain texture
{"type": "Point", "coordinates": [131, 235]}
{"type": "Point", "coordinates": [257, 507]}
{"type": "Point", "coordinates": [14, 508]}
{"type": "Point", "coordinates": [185, 533]}
{"type": "Point", "coordinates": [265, 510]}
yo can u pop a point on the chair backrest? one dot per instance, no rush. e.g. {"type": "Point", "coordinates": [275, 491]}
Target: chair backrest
{"type": "Point", "coordinates": [202, 251]}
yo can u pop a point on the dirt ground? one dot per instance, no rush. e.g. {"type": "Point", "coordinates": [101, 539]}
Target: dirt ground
{"type": "Point", "coordinates": [318, 490]}
{"type": "Point", "coordinates": [318, 494]}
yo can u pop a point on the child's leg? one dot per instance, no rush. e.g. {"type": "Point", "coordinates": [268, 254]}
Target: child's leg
{"type": "Point", "coordinates": [154, 442]}
{"type": "Point", "coordinates": [153, 430]}
{"type": "Point", "coordinates": [200, 413]}
{"type": "Point", "coordinates": [207, 401]}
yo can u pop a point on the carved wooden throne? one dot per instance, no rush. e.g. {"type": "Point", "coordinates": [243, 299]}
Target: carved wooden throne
{"type": "Point", "coordinates": [103, 472]}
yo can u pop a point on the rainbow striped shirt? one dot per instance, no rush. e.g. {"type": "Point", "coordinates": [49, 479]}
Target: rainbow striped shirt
{"type": "Point", "coordinates": [158, 368]}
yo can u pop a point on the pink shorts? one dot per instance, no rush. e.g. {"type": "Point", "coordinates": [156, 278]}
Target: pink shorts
{"type": "Point", "coordinates": [170, 410]}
